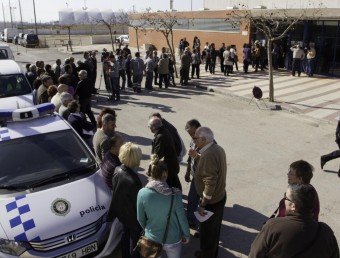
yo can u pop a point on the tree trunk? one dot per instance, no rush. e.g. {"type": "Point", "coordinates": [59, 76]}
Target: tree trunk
{"type": "Point", "coordinates": [173, 53]}
{"type": "Point", "coordinates": [69, 38]}
{"type": "Point", "coordinates": [110, 30]}
{"type": "Point", "coordinates": [270, 70]}
{"type": "Point", "coordinates": [136, 30]}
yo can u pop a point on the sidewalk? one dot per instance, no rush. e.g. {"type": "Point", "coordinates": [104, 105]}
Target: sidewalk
{"type": "Point", "coordinates": [317, 97]}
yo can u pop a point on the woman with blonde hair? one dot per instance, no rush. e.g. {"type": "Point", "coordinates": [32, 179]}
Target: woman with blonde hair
{"type": "Point", "coordinates": [153, 207]}
{"type": "Point", "coordinates": [125, 187]}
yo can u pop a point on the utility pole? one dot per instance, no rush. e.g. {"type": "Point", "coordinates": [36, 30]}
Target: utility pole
{"type": "Point", "coordinates": [10, 12]}
{"type": "Point", "coordinates": [171, 4]}
{"type": "Point", "coordinates": [22, 26]}
{"type": "Point", "coordinates": [35, 19]}
{"type": "Point", "coordinates": [3, 11]}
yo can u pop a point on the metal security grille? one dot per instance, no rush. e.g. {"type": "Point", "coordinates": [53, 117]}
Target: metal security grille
{"type": "Point", "coordinates": [70, 237]}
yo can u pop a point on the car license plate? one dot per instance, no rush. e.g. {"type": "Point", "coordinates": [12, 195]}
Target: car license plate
{"type": "Point", "coordinates": [81, 252]}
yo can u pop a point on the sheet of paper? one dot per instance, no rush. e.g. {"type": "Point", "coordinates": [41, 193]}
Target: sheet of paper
{"type": "Point", "coordinates": [203, 218]}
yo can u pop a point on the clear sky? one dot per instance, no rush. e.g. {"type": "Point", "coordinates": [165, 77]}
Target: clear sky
{"type": "Point", "coordinates": [47, 10]}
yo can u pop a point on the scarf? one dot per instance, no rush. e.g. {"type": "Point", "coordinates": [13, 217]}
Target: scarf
{"type": "Point", "coordinates": [161, 187]}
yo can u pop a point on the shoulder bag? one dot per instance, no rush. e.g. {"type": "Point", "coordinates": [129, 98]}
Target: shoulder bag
{"type": "Point", "coordinates": [151, 249]}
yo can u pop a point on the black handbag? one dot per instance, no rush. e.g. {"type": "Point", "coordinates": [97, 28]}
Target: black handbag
{"type": "Point", "coordinates": [151, 249]}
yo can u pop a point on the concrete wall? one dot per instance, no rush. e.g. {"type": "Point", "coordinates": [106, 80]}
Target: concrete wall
{"type": "Point", "coordinates": [158, 40]}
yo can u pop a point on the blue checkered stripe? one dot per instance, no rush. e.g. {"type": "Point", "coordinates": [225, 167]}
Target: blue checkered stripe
{"type": "Point", "coordinates": [4, 134]}
{"type": "Point", "coordinates": [21, 222]}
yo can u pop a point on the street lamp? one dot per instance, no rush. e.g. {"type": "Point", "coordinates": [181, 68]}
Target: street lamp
{"type": "Point", "coordinates": [35, 19]}
{"type": "Point", "coordinates": [10, 12]}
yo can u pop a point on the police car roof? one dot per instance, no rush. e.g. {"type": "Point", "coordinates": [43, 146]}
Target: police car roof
{"type": "Point", "coordinates": [9, 67]}
{"type": "Point", "coordinates": [41, 125]}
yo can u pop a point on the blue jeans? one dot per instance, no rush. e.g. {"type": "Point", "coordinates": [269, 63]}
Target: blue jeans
{"type": "Point", "coordinates": [310, 66]}
{"type": "Point", "coordinates": [173, 250]}
{"type": "Point", "coordinates": [193, 201]}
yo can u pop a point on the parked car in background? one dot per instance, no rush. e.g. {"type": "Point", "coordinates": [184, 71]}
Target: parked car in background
{"type": "Point", "coordinates": [9, 34]}
{"type": "Point", "coordinates": [30, 40]}
{"type": "Point", "coordinates": [16, 39]}
{"type": "Point", "coordinates": [21, 38]}
{"type": "Point", "coordinates": [123, 39]}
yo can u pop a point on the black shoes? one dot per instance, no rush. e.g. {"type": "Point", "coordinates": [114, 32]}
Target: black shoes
{"type": "Point", "coordinates": [322, 162]}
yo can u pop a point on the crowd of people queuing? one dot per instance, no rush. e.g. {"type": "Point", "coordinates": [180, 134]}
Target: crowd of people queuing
{"type": "Point", "coordinates": [297, 59]}
{"type": "Point", "coordinates": [145, 208]}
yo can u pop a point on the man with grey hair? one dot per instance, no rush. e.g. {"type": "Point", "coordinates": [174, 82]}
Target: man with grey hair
{"type": "Point", "coordinates": [84, 93]}
{"type": "Point", "coordinates": [163, 146]}
{"type": "Point", "coordinates": [65, 98]}
{"type": "Point", "coordinates": [56, 98]}
{"type": "Point", "coordinates": [210, 182]}
{"type": "Point", "coordinates": [297, 234]}
{"type": "Point", "coordinates": [102, 135]}
{"type": "Point", "coordinates": [32, 74]}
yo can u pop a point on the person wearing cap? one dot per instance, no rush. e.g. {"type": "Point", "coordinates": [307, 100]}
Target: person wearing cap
{"type": "Point", "coordinates": [84, 93]}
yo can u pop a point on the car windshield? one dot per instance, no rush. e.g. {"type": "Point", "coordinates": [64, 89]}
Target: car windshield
{"type": "Point", "coordinates": [13, 85]}
{"type": "Point", "coordinates": [28, 160]}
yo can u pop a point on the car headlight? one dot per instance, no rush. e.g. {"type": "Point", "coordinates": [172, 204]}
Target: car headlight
{"type": "Point", "coordinates": [13, 247]}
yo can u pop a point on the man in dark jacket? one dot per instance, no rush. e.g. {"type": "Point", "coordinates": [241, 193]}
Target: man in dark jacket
{"type": "Point", "coordinates": [173, 132]}
{"type": "Point", "coordinates": [297, 234]}
{"type": "Point", "coordinates": [84, 92]}
{"type": "Point", "coordinates": [185, 68]}
{"type": "Point", "coordinates": [163, 146]}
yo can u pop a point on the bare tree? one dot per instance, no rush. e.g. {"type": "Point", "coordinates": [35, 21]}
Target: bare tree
{"type": "Point", "coordinates": [137, 25]}
{"type": "Point", "coordinates": [109, 20]}
{"type": "Point", "coordinates": [274, 24]}
{"type": "Point", "coordinates": [163, 22]}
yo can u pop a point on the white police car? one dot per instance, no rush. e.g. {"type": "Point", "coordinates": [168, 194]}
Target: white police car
{"type": "Point", "coordinates": [53, 199]}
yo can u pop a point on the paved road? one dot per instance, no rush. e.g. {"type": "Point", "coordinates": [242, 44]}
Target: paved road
{"type": "Point", "coordinates": [260, 144]}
